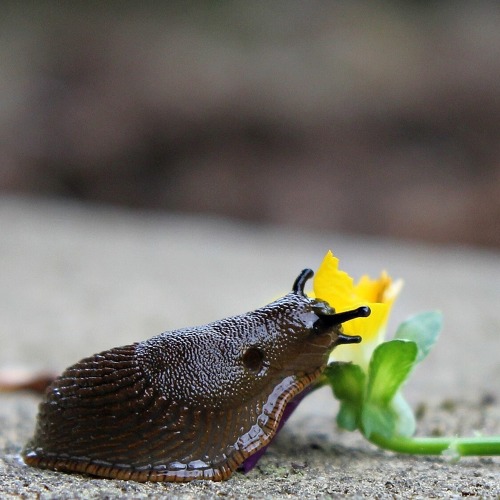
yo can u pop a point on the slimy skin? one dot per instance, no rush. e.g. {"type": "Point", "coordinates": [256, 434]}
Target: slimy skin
{"type": "Point", "coordinates": [187, 404]}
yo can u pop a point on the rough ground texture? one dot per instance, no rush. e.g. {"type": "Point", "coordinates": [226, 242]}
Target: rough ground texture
{"type": "Point", "coordinates": [74, 281]}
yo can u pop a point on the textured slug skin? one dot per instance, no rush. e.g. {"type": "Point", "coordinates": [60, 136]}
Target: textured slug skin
{"type": "Point", "coordinates": [187, 404]}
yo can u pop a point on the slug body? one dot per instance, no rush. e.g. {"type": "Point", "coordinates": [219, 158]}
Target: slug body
{"type": "Point", "coordinates": [187, 404]}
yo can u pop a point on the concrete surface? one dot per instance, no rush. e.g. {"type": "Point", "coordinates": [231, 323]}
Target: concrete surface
{"type": "Point", "coordinates": [76, 280]}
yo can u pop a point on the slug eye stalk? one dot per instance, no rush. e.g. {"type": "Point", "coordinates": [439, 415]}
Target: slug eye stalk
{"type": "Point", "coordinates": [300, 282]}
{"type": "Point", "coordinates": [336, 319]}
{"type": "Point", "coordinates": [348, 339]}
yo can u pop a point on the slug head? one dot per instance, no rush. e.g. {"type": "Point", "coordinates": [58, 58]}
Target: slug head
{"type": "Point", "coordinates": [329, 322]}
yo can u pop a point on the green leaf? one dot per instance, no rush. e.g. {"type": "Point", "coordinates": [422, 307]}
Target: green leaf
{"type": "Point", "coordinates": [405, 419]}
{"type": "Point", "coordinates": [348, 384]}
{"type": "Point", "coordinates": [395, 419]}
{"type": "Point", "coordinates": [390, 365]}
{"type": "Point", "coordinates": [423, 329]}
{"type": "Point", "coordinates": [348, 416]}
{"type": "Point", "coordinates": [385, 411]}
{"type": "Point", "coordinates": [347, 381]}
{"type": "Point", "coordinates": [377, 419]}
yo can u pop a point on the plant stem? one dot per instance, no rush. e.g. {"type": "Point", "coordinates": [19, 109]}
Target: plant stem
{"type": "Point", "coordinates": [454, 446]}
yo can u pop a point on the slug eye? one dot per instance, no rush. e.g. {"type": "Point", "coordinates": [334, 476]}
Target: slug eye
{"type": "Point", "coordinates": [253, 359]}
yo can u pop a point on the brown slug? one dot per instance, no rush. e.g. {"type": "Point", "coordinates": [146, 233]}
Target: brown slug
{"type": "Point", "coordinates": [192, 403]}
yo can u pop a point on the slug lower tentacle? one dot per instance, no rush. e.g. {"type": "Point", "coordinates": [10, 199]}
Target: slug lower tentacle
{"type": "Point", "coordinates": [193, 403]}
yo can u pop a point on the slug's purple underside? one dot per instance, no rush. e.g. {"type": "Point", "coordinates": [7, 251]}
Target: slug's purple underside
{"type": "Point", "coordinates": [252, 460]}
{"type": "Point", "coordinates": [194, 403]}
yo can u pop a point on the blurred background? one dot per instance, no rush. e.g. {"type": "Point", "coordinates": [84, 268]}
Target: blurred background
{"type": "Point", "coordinates": [371, 118]}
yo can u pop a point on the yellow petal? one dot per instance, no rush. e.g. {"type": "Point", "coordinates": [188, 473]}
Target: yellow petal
{"type": "Point", "coordinates": [332, 285]}
{"type": "Point", "coordinates": [338, 289]}
{"type": "Point", "coordinates": [369, 327]}
{"type": "Point", "coordinates": [391, 293]}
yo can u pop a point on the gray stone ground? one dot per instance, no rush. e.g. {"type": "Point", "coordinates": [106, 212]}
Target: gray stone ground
{"type": "Point", "coordinates": [74, 281]}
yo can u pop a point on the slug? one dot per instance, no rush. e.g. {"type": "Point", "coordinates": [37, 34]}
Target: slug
{"type": "Point", "coordinates": [187, 404]}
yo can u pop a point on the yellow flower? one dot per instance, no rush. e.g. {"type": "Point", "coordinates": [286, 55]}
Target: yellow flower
{"type": "Point", "coordinates": [338, 289]}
